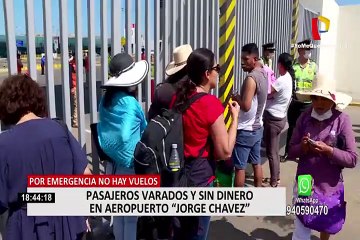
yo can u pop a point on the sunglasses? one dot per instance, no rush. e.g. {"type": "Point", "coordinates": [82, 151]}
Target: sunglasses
{"type": "Point", "coordinates": [216, 68]}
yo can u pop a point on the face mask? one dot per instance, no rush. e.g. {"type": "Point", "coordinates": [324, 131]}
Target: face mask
{"type": "Point", "coordinates": [321, 117]}
{"type": "Point", "coordinates": [307, 54]}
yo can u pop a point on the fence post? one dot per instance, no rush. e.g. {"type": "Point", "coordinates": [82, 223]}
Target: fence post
{"type": "Point", "coordinates": [295, 26]}
{"type": "Point", "coordinates": [226, 52]}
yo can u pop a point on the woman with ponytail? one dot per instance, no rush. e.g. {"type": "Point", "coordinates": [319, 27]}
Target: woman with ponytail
{"type": "Point", "coordinates": [275, 114]}
{"type": "Point", "coordinates": [205, 136]}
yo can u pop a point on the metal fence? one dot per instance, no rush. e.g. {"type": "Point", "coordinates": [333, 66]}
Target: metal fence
{"type": "Point", "coordinates": [173, 22]}
{"type": "Point", "coordinates": [261, 22]}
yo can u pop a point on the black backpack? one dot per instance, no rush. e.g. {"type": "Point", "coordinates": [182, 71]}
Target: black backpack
{"type": "Point", "coordinates": [153, 151]}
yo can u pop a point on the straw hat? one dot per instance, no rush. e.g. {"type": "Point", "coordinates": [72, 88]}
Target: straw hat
{"type": "Point", "coordinates": [125, 72]}
{"type": "Point", "coordinates": [322, 88]}
{"type": "Point", "coordinates": [180, 56]}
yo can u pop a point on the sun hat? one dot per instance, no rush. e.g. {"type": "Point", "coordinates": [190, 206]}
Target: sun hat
{"type": "Point", "coordinates": [180, 56]}
{"type": "Point", "coordinates": [323, 89]}
{"type": "Point", "coordinates": [125, 72]}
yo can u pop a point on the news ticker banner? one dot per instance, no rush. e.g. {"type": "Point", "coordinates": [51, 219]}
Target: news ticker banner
{"type": "Point", "coordinates": [118, 195]}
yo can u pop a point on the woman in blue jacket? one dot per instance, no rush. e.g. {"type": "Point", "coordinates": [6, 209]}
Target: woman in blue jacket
{"type": "Point", "coordinates": [122, 122]}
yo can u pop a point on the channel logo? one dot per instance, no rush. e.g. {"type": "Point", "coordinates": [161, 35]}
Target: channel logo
{"type": "Point", "coordinates": [315, 27]}
{"type": "Point", "coordinates": [305, 183]}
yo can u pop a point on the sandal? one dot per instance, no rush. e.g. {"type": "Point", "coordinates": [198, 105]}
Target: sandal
{"type": "Point", "coordinates": [284, 158]}
{"type": "Point", "coordinates": [266, 180]}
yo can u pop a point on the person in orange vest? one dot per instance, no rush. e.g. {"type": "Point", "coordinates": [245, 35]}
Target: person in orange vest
{"type": "Point", "coordinates": [72, 77]}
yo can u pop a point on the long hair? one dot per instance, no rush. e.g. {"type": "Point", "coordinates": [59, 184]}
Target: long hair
{"type": "Point", "coordinates": [199, 61]}
{"type": "Point", "coordinates": [286, 61]}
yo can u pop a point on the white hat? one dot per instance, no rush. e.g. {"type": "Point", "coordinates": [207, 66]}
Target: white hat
{"type": "Point", "coordinates": [125, 72]}
{"type": "Point", "coordinates": [323, 89]}
{"type": "Point", "coordinates": [180, 56]}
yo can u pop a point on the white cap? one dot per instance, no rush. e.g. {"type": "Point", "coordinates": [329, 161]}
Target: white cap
{"type": "Point", "coordinates": [174, 145]}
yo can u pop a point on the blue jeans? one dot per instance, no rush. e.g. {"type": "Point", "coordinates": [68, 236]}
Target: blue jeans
{"type": "Point", "coordinates": [124, 228]}
{"type": "Point", "coordinates": [247, 148]}
{"type": "Point", "coordinates": [204, 224]}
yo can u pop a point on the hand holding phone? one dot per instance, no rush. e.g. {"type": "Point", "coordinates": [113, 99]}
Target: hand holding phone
{"type": "Point", "coordinates": [312, 142]}
{"type": "Point", "coordinates": [305, 143]}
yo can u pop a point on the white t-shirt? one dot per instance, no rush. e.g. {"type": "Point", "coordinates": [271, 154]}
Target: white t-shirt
{"type": "Point", "coordinates": [277, 103]}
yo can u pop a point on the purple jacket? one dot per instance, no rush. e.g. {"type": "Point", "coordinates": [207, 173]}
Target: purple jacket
{"type": "Point", "coordinates": [326, 172]}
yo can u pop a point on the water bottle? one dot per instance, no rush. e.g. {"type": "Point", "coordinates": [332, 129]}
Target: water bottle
{"type": "Point", "coordinates": [332, 139]}
{"type": "Point", "coordinates": [174, 162]}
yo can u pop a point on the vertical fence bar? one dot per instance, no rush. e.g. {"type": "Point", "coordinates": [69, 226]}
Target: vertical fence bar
{"type": "Point", "coordinates": [115, 27]}
{"type": "Point", "coordinates": [128, 26]}
{"type": "Point", "coordinates": [137, 46]}
{"type": "Point", "coordinates": [216, 37]}
{"type": "Point", "coordinates": [212, 25]}
{"type": "Point", "coordinates": [206, 26]}
{"type": "Point", "coordinates": [201, 23]}
{"type": "Point", "coordinates": [236, 47]}
{"type": "Point", "coordinates": [30, 38]}
{"type": "Point", "coordinates": [174, 18]}
{"type": "Point", "coordinates": [63, 6]}
{"type": "Point", "coordinates": [157, 51]}
{"type": "Point", "coordinates": [92, 79]}
{"type": "Point", "coordinates": [92, 60]}
{"type": "Point", "coordinates": [49, 67]}
{"type": "Point", "coordinates": [195, 23]}
{"type": "Point", "coordinates": [181, 20]}
{"type": "Point", "coordinates": [10, 36]}
{"type": "Point", "coordinates": [165, 42]}
{"type": "Point", "coordinates": [295, 25]}
{"type": "Point", "coordinates": [148, 55]}
{"type": "Point", "coordinates": [211, 16]}
{"type": "Point", "coordinates": [188, 22]}
{"type": "Point", "coordinates": [79, 73]}
{"type": "Point", "coordinates": [104, 41]}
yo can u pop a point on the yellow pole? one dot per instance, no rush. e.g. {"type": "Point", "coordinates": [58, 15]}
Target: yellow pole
{"type": "Point", "coordinates": [295, 26]}
{"type": "Point", "coordinates": [226, 52]}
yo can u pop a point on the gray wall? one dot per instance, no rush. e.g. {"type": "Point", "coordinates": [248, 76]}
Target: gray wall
{"type": "Point", "coordinates": [261, 22]}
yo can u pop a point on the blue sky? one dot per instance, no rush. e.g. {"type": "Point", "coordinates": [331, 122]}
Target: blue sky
{"type": "Point", "coordinates": [19, 15]}
{"type": "Point", "coordinates": [347, 2]}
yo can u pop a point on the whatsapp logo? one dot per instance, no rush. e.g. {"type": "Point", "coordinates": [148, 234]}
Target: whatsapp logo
{"type": "Point", "coordinates": [305, 185]}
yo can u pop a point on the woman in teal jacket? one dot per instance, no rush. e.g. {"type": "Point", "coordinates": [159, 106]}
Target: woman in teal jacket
{"type": "Point", "coordinates": [122, 122]}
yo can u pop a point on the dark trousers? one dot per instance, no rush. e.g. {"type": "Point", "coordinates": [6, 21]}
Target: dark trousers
{"type": "Point", "coordinates": [296, 108]}
{"type": "Point", "coordinates": [272, 129]}
{"type": "Point", "coordinates": [191, 228]}
{"type": "Point", "coordinates": [42, 69]}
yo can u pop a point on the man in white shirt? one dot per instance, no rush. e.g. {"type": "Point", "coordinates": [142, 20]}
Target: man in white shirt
{"type": "Point", "coordinates": [275, 114]}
